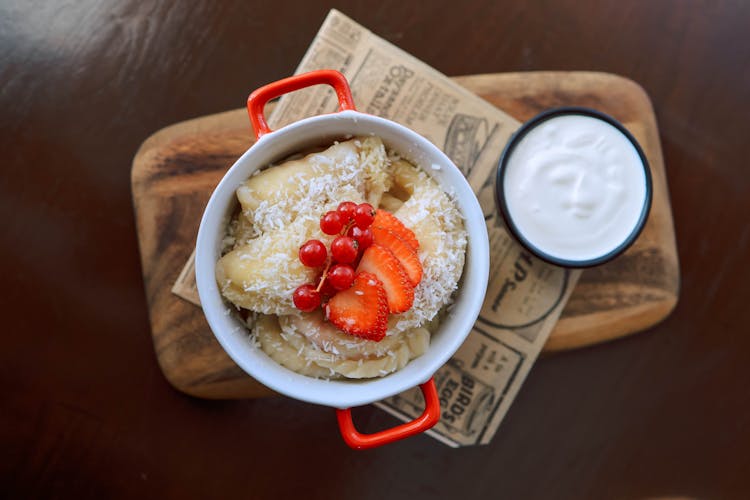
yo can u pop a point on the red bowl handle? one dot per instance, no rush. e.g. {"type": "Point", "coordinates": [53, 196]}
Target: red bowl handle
{"type": "Point", "coordinates": [428, 419]}
{"type": "Point", "coordinates": [256, 102]}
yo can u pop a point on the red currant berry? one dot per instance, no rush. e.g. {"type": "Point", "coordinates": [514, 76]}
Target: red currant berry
{"type": "Point", "coordinates": [313, 253]}
{"type": "Point", "coordinates": [344, 249]}
{"type": "Point", "coordinates": [363, 236]}
{"type": "Point", "coordinates": [346, 209]}
{"type": "Point", "coordinates": [364, 214]}
{"type": "Point", "coordinates": [306, 298]}
{"type": "Point", "coordinates": [331, 223]}
{"type": "Point", "coordinates": [341, 276]}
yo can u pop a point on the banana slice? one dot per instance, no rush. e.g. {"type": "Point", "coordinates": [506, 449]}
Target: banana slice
{"type": "Point", "coordinates": [418, 341]}
{"type": "Point", "coordinates": [370, 368]}
{"type": "Point", "coordinates": [439, 227]}
{"type": "Point", "coordinates": [318, 342]}
{"type": "Point", "coordinates": [240, 232]}
{"type": "Point", "coordinates": [268, 333]}
{"type": "Point", "coordinates": [262, 274]}
{"type": "Point", "coordinates": [375, 168]}
{"type": "Point", "coordinates": [355, 170]}
{"type": "Point", "coordinates": [281, 182]}
{"type": "Point", "coordinates": [390, 203]}
{"type": "Point", "coordinates": [413, 344]}
{"type": "Point", "coordinates": [325, 337]}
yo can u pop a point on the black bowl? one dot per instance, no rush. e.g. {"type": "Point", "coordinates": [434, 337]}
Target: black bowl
{"type": "Point", "coordinates": [500, 196]}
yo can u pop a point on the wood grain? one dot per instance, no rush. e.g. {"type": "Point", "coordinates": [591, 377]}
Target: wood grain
{"type": "Point", "coordinates": [175, 170]}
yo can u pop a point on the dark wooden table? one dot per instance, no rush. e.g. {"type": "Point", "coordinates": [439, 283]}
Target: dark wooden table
{"type": "Point", "coordinates": [85, 411]}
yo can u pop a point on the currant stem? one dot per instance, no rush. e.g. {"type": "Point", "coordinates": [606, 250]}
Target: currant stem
{"type": "Point", "coordinates": [324, 275]}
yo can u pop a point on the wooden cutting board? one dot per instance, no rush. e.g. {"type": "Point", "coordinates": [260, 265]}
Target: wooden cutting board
{"type": "Point", "coordinates": [176, 169]}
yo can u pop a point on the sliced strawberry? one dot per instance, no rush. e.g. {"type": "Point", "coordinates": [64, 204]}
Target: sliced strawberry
{"type": "Point", "coordinates": [361, 310]}
{"type": "Point", "coordinates": [387, 220]}
{"type": "Point", "coordinates": [381, 262]}
{"type": "Point", "coordinates": [402, 250]}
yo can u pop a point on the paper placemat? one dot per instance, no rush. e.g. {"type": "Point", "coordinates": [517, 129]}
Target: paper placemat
{"type": "Point", "coordinates": [525, 295]}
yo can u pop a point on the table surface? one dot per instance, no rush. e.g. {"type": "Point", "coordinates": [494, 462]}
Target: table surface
{"type": "Point", "coordinates": [87, 413]}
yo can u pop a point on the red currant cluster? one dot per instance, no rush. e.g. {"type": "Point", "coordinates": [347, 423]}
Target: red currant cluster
{"type": "Point", "coordinates": [351, 223]}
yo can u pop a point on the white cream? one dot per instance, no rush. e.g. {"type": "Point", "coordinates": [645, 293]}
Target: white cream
{"type": "Point", "coordinates": [575, 187]}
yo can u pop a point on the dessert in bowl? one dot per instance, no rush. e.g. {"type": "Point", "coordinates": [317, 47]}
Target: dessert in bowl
{"type": "Point", "coordinates": [429, 170]}
{"type": "Point", "coordinates": [296, 257]}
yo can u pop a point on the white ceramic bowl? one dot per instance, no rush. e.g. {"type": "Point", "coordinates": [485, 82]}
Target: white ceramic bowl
{"type": "Point", "coordinates": [233, 335]}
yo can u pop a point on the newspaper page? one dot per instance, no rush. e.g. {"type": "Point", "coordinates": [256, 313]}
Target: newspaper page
{"type": "Point", "coordinates": [525, 295]}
